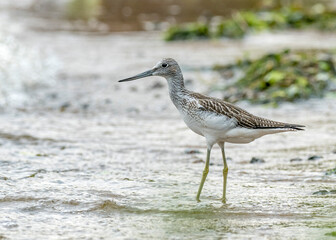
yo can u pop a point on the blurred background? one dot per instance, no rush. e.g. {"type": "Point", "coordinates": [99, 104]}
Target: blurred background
{"type": "Point", "coordinates": [150, 14]}
{"type": "Point", "coordinates": [83, 156]}
{"type": "Point", "coordinates": [231, 33]}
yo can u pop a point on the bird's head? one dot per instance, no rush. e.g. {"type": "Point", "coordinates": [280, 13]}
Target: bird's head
{"type": "Point", "coordinates": [167, 68]}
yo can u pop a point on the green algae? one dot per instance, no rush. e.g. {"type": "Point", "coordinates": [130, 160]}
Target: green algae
{"type": "Point", "coordinates": [189, 31]}
{"type": "Point", "coordinates": [283, 76]}
{"type": "Point", "coordinates": [83, 9]}
{"type": "Point", "coordinates": [331, 171]}
{"type": "Point", "coordinates": [241, 23]}
{"type": "Point", "coordinates": [331, 234]}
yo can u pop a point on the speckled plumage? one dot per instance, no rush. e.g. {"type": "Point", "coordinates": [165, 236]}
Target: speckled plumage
{"type": "Point", "coordinates": [218, 121]}
{"type": "Point", "coordinates": [244, 119]}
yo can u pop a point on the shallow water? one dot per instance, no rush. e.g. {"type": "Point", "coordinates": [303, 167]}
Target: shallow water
{"type": "Point", "coordinates": [80, 176]}
{"type": "Point", "coordinates": [88, 158]}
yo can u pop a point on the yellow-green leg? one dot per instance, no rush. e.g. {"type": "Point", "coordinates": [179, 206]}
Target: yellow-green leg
{"type": "Point", "coordinates": [205, 173]}
{"type": "Point", "coordinates": [225, 172]}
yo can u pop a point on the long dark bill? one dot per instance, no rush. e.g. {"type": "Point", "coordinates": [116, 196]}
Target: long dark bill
{"type": "Point", "coordinates": [138, 76]}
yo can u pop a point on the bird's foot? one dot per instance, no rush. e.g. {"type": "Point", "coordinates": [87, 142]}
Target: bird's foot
{"type": "Point", "coordinates": [223, 199]}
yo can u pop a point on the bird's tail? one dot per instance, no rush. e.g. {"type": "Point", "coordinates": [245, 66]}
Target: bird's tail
{"type": "Point", "coordinates": [283, 126]}
{"type": "Point", "coordinates": [294, 127]}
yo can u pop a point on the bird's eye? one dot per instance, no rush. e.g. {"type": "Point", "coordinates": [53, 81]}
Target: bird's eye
{"type": "Point", "coordinates": [164, 65]}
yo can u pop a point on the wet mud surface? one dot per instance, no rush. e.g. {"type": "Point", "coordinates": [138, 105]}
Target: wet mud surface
{"type": "Point", "coordinates": [74, 176]}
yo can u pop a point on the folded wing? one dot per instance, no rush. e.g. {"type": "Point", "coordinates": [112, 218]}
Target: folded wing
{"type": "Point", "coordinates": [244, 119]}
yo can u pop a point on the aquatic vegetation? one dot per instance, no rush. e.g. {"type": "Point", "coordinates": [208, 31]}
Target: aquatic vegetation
{"type": "Point", "coordinates": [324, 192]}
{"type": "Point", "coordinates": [190, 31]}
{"type": "Point", "coordinates": [244, 22]}
{"type": "Point", "coordinates": [331, 234]}
{"type": "Point", "coordinates": [331, 171]}
{"type": "Point", "coordinates": [83, 9]}
{"type": "Point", "coordinates": [283, 76]}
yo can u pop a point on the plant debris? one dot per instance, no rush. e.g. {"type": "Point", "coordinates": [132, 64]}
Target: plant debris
{"type": "Point", "coordinates": [189, 31]}
{"type": "Point", "coordinates": [192, 151]}
{"type": "Point", "coordinates": [324, 192]}
{"type": "Point", "coordinates": [318, 16]}
{"type": "Point", "coordinates": [283, 76]}
{"type": "Point", "coordinates": [314, 157]}
{"type": "Point", "coordinates": [257, 160]}
{"type": "Point", "coordinates": [332, 234]}
{"type": "Point", "coordinates": [331, 171]}
{"type": "Point", "coordinates": [295, 160]}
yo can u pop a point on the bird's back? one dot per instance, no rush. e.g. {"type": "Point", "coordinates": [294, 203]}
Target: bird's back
{"type": "Point", "coordinates": [244, 119]}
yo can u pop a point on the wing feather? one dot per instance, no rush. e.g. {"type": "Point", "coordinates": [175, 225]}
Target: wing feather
{"type": "Point", "coordinates": [244, 118]}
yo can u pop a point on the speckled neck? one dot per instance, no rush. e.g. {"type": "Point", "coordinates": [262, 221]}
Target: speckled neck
{"type": "Point", "coordinates": [177, 89]}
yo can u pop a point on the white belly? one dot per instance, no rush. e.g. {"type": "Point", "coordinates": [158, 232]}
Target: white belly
{"type": "Point", "coordinates": [219, 128]}
{"type": "Point", "coordinates": [193, 124]}
{"type": "Point", "coordinates": [245, 135]}
{"type": "Point", "coordinates": [210, 125]}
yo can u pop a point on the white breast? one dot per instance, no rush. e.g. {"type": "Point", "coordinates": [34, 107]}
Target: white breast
{"type": "Point", "coordinates": [192, 123]}
{"type": "Point", "coordinates": [208, 124]}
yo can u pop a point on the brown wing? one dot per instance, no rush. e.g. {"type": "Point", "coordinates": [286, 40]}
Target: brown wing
{"type": "Point", "coordinates": [244, 119]}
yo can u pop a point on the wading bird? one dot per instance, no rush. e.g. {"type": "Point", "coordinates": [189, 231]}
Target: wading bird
{"type": "Point", "coordinates": [216, 120]}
